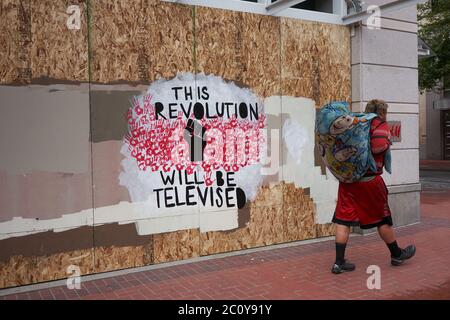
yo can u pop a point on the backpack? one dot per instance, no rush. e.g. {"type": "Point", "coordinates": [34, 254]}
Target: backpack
{"type": "Point", "coordinates": [344, 141]}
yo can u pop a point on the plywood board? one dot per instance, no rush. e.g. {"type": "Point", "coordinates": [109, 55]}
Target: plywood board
{"type": "Point", "coordinates": [58, 52]}
{"type": "Point", "coordinates": [15, 37]}
{"type": "Point", "coordinates": [315, 60]}
{"type": "Point", "coordinates": [241, 47]}
{"type": "Point", "coordinates": [178, 245]}
{"type": "Point", "coordinates": [140, 41]}
{"type": "Point", "coordinates": [37, 44]}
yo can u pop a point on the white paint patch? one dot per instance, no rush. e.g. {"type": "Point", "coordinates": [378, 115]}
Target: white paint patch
{"type": "Point", "coordinates": [295, 138]}
{"type": "Point", "coordinates": [141, 184]}
{"type": "Point", "coordinates": [249, 179]}
{"type": "Point", "coordinates": [299, 167]}
{"type": "Point", "coordinates": [124, 213]}
{"type": "Point", "coordinates": [218, 90]}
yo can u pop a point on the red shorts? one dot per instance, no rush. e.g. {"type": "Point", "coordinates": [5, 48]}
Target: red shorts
{"type": "Point", "coordinates": [363, 204]}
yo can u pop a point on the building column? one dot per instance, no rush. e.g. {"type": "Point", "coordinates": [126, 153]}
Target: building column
{"type": "Point", "coordinates": [384, 66]}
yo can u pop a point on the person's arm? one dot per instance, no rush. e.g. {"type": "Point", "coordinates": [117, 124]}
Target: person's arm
{"type": "Point", "coordinates": [380, 138]}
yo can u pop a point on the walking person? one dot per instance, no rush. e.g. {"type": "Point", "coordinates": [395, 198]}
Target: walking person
{"type": "Point", "coordinates": [364, 203]}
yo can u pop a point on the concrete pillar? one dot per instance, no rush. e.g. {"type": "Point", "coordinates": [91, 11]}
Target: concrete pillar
{"type": "Point", "coordinates": [384, 66]}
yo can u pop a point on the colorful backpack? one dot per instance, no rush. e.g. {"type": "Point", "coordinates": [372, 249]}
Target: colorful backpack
{"type": "Point", "coordinates": [344, 142]}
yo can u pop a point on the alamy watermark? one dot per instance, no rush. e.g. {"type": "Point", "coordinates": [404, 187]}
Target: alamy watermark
{"type": "Point", "coordinates": [74, 280]}
{"type": "Point", "coordinates": [74, 20]}
{"type": "Point", "coordinates": [374, 280]}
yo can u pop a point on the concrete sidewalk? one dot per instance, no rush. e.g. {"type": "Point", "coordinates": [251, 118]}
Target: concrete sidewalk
{"type": "Point", "coordinates": [295, 272]}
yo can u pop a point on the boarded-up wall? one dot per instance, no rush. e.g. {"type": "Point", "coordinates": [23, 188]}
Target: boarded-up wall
{"type": "Point", "coordinates": [132, 44]}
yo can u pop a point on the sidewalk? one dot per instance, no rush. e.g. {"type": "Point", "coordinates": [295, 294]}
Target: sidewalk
{"type": "Point", "coordinates": [296, 272]}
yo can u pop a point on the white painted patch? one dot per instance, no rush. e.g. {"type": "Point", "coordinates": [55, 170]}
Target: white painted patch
{"type": "Point", "coordinates": [124, 213]}
{"type": "Point", "coordinates": [299, 138]}
{"type": "Point", "coordinates": [249, 179]}
{"type": "Point", "coordinates": [295, 138]}
{"type": "Point", "coordinates": [141, 184]}
{"type": "Point", "coordinates": [228, 218]}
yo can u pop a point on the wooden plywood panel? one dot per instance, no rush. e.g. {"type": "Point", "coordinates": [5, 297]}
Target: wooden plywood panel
{"type": "Point", "coordinates": [298, 70]}
{"type": "Point", "coordinates": [115, 258]}
{"type": "Point", "coordinates": [15, 37]}
{"type": "Point", "coordinates": [241, 47]}
{"type": "Point", "coordinates": [37, 46]}
{"type": "Point", "coordinates": [269, 195]}
{"type": "Point", "coordinates": [268, 226]}
{"type": "Point", "coordinates": [22, 270]}
{"type": "Point", "coordinates": [265, 227]}
{"type": "Point", "coordinates": [180, 245]}
{"type": "Point", "coordinates": [57, 52]}
{"type": "Point", "coordinates": [325, 230]}
{"type": "Point", "coordinates": [293, 196]}
{"type": "Point", "coordinates": [298, 218]}
{"type": "Point", "coordinates": [315, 60]}
{"type": "Point", "coordinates": [120, 246]}
{"type": "Point", "coordinates": [46, 256]}
{"type": "Point", "coordinates": [291, 221]}
{"type": "Point", "coordinates": [335, 70]}
{"type": "Point", "coordinates": [140, 41]}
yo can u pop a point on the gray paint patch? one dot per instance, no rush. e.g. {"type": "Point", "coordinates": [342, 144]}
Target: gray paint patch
{"type": "Point", "coordinates": [109, 109]}
{"type": "Point", "coordinates": [43, 195]}
{"type": "Point", "coordinates": [49, 195]}
{"type": "Point", "coordinates": [106, 162]}
{"type": "Point", "coordinates": [44, 131]}
{"type": "Point", "coordinates": [82, 238]}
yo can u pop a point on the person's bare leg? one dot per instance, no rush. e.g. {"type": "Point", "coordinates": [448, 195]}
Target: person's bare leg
{"type": "Point", "coordinates": [386, 233]}
{"type": "Point", "coordinates": [342, 233]}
